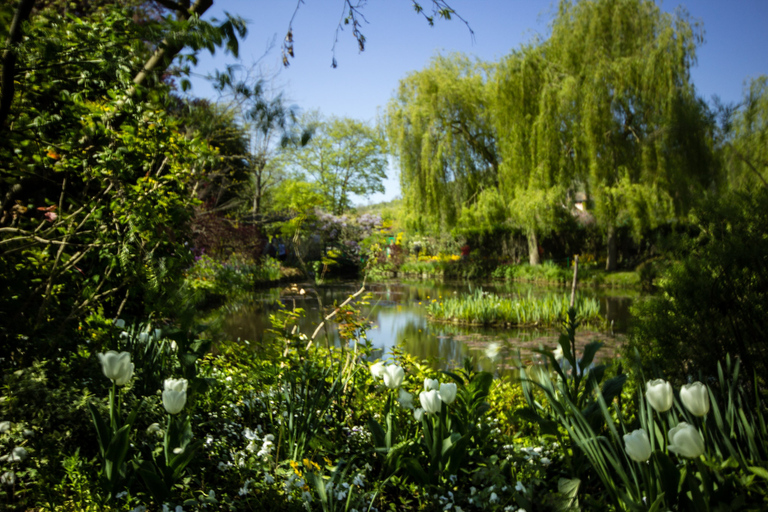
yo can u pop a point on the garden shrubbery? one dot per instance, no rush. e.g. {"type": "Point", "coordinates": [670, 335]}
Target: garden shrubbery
{"type": "Point", "coordinates": [714, 299]}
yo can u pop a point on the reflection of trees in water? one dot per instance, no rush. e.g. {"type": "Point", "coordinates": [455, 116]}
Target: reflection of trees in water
{"type": "Point", "coordinates": [419, 340]}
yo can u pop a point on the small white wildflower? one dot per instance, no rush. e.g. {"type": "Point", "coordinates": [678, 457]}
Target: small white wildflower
{"type": "Point", "coordinates": [494, 498]}
{"type": "Point", "coordinates": [519, 487]}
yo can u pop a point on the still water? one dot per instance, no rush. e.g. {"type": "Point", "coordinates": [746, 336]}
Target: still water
{"type": "Point", "coordinates": [397, 312]}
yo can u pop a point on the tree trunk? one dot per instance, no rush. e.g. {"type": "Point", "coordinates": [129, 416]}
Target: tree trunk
{"type": "Point", "coordinates": [610, 263]}
{"type": "Point", "coordinates": [533, 248]}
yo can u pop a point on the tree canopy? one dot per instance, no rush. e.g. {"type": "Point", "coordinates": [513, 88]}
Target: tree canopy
{"type": "Point", "coordinates": [440, 130]}
{"type": "Point", "coordinates": [343, 157]}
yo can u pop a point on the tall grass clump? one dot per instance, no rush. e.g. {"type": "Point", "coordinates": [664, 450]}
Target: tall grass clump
{"type": "Point", "coordinates": [483, 308]}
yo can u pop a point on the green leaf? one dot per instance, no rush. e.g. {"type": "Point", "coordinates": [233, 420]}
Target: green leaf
{"type": "Point", "coordinates": [759, 471]}
{"type": "Point", "coordinates": [102, 431]}
{"type": "Point", "coordinates": [589, 354]}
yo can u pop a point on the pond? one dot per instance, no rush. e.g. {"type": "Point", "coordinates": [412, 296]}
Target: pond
{"type": "Point", "coordinates": [398, 314]}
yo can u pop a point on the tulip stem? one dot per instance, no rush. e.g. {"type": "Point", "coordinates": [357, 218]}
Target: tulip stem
{"type": "Point", "coordinates": [112, 414]}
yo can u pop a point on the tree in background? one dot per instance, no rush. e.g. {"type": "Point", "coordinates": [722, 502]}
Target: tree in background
{"type": "Point", "coordinates": [746, 148]}
{"type": "Point", "coordinates": [534, 121]}
{"type": "Point", "coordinates": [639, 134]}
{"type": "Point", "coordinates": [344, 157]}
{"type": "Point", "coordinates": [439, 126]}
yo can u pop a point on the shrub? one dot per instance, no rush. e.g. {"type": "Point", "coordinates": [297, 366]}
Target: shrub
{"type": "Point", "coordinates": [715, 299]}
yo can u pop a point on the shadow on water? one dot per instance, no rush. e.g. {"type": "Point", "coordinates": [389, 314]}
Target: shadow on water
{"type": "Point", "coordinates": [398, 315]}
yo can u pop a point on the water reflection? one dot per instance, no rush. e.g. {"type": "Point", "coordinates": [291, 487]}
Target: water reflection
{"type": "Point", "coordinates": [397, 312]}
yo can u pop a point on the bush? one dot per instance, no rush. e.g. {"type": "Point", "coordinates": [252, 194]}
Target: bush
{"type": "Point", "coordinates": [714, 300]}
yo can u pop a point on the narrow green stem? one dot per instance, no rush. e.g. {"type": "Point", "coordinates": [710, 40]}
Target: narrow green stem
{"type": "Point", "coordinates": [112, 413]}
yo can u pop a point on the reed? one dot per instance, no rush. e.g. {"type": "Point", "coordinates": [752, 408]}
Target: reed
{"type": "Point", "coordinates": [483, 308]}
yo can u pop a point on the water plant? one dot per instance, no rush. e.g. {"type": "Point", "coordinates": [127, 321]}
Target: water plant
{"type": "Point", "coordinates": [483, 308]}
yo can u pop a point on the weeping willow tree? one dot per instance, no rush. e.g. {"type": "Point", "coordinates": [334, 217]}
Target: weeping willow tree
{"type": "Point", "coordinates": [746, 148]}
{"type": "Point", "coordinates": [440, 130]}
{"type": "Point", "coordinates": [638, 132]}
{"type": "Point", "coordinates": [534, 120]}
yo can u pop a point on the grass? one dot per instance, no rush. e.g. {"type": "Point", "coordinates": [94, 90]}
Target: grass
{"type": "Point", "coordinates": [483, 308]}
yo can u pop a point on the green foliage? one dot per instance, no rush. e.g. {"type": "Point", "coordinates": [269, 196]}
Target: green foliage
{"type": "Point", "coordinates": [343, 157]}
{"type": "Point", "coordinates": [95, 180]}
{"type": "Point", "coordinates": [747, 139]}
{"type": "Point", "coordinates": [712, 301]}
{"type": "Point", "coordinates": [440, 130]}
{"type": "Point", "coordinates": [483, 308]}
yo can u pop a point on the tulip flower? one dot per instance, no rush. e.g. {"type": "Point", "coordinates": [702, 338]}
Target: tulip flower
{"type": "Point", "coordinates": [117, 367]}
{"type": "Point", "coordinates": [174, 395]}
{"type": "Point", "coordinates": [430, 384]}
{"type": "Point", "coordinates": [5, 426]}
{"type": "Point", "coordinates": [119, 323]}
{"type": "Point", "coordinates": [418, 413]}
{"type": "Point", "coordinates": [686, 441]}
{"type": "Point", "coordinates": [448, 392]}
{"type": "Point", "coordinates": [17, 454]}
{"type": "Point", "coordinates": [8, 478]}
{"type": "Point", "coordinates": [405, 399]}
{"type": "Point", "coordinates": [637, 445]}
{"type": "Point", "coordinates": [658, 392]}
{"type": "Point", "coordinates": [377, 370]}
{"type": "Point", "coordinates": [393, 376]}
{"type": "Point", "coordinates": [430, 401]}
{"type": "Point", "coordinates": [695, 398]}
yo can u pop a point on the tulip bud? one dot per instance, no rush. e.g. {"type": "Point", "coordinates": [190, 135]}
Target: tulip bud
{"type": "Point", "coordinates": [430, 384]}
{"type": "Point", "coordinates": [658, 392]}
{"type": "Point", "coordinates": [405, 399]}
{"type": "Point", "coordinates": [637, 445]}
{"type": "Point", "coordinates": [695, 398]}
{"type": "Point", "coordinates": [686, 441]}
{"type": "Point", "coordinates": [377, 370]}
{"type": "Point", "coordinates": [448, 392]}
{"type": "Point", "coordinates": [430, 401]}
{"type": "Point", "coordinates": [393, 376]}
{"type": "Point", "coordinates": [117, 367]}
{"type": "Point", "coordinates": [418, 413]}
{"type": "Point", "coordinates": [174, 395]}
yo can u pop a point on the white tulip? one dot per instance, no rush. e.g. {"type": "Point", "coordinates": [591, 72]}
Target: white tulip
{"type": "Point", "coordinates": [430, 401]}
{"type": "Point", "coordinates": [695, 398]}
{"type": "Point", "coordinates": [5, 426]}
{"type": "Point", "coordinates": [430, 384]}
{"type": "Point", "coordinates": [393, 376]}
{"type": "Point", "coordinates": [17, 454]}
{"type": "Point", "coordinates": [377, 370]}
{"type": "Point", "coordinates": [418, 413]}
{"type": "Point", "coordinates": [658, 392]}
{"type": "Point", "coordinates": [117, 366]}
{"type": "Point", "coordinates": [637, 445]}
{"type": "Point", "coordinates": [174, 395]}
{"type": "Point", "coordinates": [448, 392]}
{"type": "Point", "coordinates": [686, 441]}
{"type": "Point", "coordinates": [405, 399]}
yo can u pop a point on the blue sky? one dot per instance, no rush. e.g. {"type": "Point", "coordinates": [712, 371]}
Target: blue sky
{"type": "Point", "coordinates": [400, 41]}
